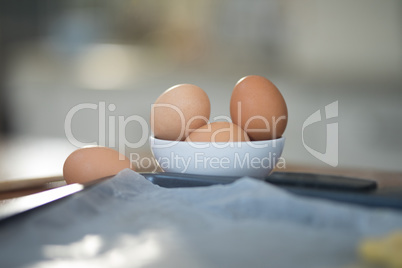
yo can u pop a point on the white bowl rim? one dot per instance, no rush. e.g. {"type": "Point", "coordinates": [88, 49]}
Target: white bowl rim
{"type": "Point", "coordinates": [282, 138]}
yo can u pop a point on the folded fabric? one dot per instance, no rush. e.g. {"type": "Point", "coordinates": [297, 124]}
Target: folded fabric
{"type": "Point", "coordinates": [129, 222]}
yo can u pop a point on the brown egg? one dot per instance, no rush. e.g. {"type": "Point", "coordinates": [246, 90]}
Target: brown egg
{"type": "Point", "coordinates": [259, 108]}
{"type": "Point", "coordinates": [218, 132]}
{"type": "Point", "coordinates": [178, 111]}
{"type": "Point", "coordinates": [88, 164]}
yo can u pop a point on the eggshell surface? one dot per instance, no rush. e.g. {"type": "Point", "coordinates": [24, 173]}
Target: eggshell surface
{"type": "Point", "coordinates": [259, 108]}
{"type": "Point", "coordinates": [178, 111]}
{"type": "Point", "coordinates": [218, 132]}
{"type": "Point", "coordinates": [88, 164]}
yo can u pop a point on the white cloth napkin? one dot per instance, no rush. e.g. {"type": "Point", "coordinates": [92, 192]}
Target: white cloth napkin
{"type": "Point", "coordinates": [129, 222]}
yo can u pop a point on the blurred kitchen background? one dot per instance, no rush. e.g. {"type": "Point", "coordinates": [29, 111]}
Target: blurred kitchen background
{"type": "Point", "coordinates": [55, 55]}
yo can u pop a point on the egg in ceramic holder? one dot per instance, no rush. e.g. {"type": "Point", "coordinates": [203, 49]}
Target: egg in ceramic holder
{"type": "Point", "coordinates": [249, 158]}
{"type": "Point", "coordinates": [250, 146]}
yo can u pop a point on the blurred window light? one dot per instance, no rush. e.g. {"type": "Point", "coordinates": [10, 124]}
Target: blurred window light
{"type": "Point", "coordinates": [105, 67]}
